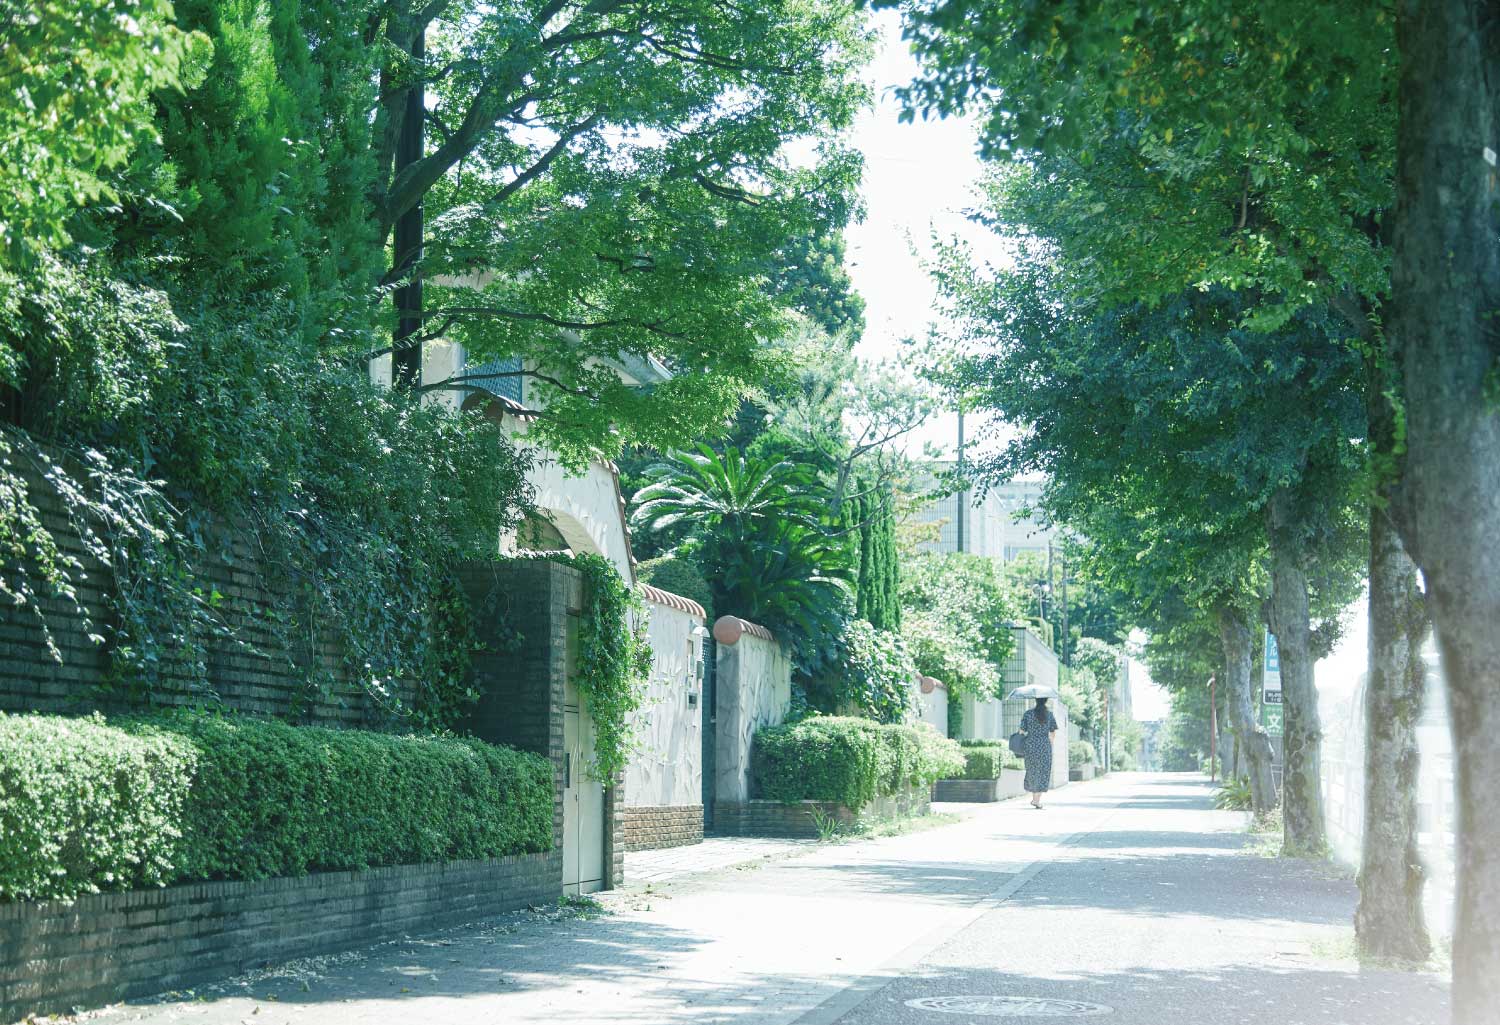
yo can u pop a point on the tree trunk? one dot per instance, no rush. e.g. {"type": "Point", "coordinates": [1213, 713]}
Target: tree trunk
{"type": "Point", "coordinates": [406, 347]}
{"type": "Point", "coordinates": [1302, 732]}
{"type": "Point", "coordinates": [1445, 290]}
{"type": "Point", "coordinates": [1389, 922]}
{"type": "Point", "coordinates": [1250, 736]}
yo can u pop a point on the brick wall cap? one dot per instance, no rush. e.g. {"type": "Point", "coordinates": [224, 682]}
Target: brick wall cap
{"type": "Point", "coordinates": [729, 629]}
{"type": "Point", "coordinates": [931, 683]}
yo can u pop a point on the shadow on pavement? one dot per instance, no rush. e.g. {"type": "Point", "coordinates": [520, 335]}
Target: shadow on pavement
{"type": "Point", "coordinates": [509, 955]}
{"type": "Point", "coordinates": [1257, 995]}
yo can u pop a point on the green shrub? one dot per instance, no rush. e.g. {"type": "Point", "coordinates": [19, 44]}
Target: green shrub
{"type": "Point", "coordinates": [870, 675]}
{"type": "Point", "coordinates": [87, 805]}
{"type": "Point", "coordinates": [1234, 795]}
{"type": "Point", "coordinates": [831, 758]}
{"type": "Point", "coordinates": [1007, 759]}
{"type": "Point", "coordinates": [848, 760]}
{"type": "Point", "coordinates": [982, 763]}
{"type": "Point", "coordinates": [941, 757]}
{"type": "Point", "coordinates": [679, 576]}
{"type": "Point", "coordinates": [1081, 752]}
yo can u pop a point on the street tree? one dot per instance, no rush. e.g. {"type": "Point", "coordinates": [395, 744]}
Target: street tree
{"type": "Point", "coordinates": [1254, 159]}
{"type": "Point", "coordinates": [1177, 423]}
{"type": "Point", "coordinates": [480, 166]}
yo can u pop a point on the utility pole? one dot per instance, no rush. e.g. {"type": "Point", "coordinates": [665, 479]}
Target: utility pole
{"type": "Point", "coordinates": [1050, 591]}
{"type": "Point", "coordinates": [1109, 735]}
{"type": "Point", "coordinates": [963, 492]}
{"type": "Point", "coordinates": [1213, 734]}
{"type": "Point", "coordinates": [1066, 637]}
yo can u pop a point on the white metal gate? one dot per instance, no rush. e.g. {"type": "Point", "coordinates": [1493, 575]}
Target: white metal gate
{"type": "Point", "coordinates": [583, 796]}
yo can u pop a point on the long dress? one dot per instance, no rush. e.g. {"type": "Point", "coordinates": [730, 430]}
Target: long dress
{"type": "Point", "coordinates": [1038, 750]}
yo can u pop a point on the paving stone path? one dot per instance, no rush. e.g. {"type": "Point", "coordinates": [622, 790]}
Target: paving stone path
{"type": "Point", "coordinates": [1129, 896]}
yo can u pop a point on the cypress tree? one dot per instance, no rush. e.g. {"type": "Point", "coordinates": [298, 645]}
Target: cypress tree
{"type": "Point", "coordinates": [877, 589]}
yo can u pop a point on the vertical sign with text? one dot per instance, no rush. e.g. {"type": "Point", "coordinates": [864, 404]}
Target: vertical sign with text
{"type": "Point", "coordinates": [1270, 688]}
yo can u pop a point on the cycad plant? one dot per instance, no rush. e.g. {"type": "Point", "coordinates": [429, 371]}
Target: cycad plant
{"type": "Point", "coordinates": [731, 494]}
{"type": "Point", "coordinates": [755, 526]}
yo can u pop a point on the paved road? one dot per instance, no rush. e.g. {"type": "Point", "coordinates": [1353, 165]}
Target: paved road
{"type": "Point", "coordinates": [1128, 898]}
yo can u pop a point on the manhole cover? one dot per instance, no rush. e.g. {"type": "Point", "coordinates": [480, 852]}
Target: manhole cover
{"type": "Point", "coordinates": [1009, 1007]}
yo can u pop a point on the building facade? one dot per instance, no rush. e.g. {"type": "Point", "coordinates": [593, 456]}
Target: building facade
{"type": "Point", "coordinates": [999, 523]}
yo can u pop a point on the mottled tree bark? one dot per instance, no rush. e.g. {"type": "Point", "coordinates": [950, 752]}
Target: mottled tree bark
{"type": "Point", "coordinates": [1249, 736]}
{"type": "Point", "coordinates": [1389, 922]}
{"type": "Point", "coordinates": [1445, 298]}
{"type": "Point", "coordinates": [1304, 834]}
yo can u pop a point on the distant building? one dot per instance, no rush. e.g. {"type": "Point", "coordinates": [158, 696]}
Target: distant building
{"type": "Point", "coordinates": [987, 523]}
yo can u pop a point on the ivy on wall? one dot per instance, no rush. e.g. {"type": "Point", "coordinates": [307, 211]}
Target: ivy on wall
{"type": "Point", "coordinates": [614, 659]}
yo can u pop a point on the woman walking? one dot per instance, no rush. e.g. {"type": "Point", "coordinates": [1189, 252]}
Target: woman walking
{"type": "Point", "coordinates": [1038, 725]}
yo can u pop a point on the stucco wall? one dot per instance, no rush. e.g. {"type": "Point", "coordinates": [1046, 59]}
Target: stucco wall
{"type": "Point", "coordinates": [754, 690]}
{"type": "Point", "coordinates": [932, 704]}
{"type": "Point", "coordinates": [983, 720]}
{"type": "Point", "coordinates": [584, 508]}
{"type": "Point", "coordinates": [667, 769]}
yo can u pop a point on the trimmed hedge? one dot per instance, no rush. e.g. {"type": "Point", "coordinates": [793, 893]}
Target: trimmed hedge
{"type": "Point", "coordinates": [87, 805]}
{"type": "Point", "coordinates": [1081, 752]}
{"type": "Point", "coordinates": [984, 760]}
{"type": "Point", "coordinates": [848, 760]}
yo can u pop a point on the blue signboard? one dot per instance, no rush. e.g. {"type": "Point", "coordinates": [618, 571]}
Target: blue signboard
{"type": "Point", "coordinates": [1270, 690]}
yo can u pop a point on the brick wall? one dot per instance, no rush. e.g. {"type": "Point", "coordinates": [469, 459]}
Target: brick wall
{"type": "Point", "coordinates": [981, 790]}
{"type": "Point", "coordinates": [108, 947]}
{"type": "Point", "coordinates": [800, 819]}
{"type": "Point", "coordinates": [260, 669]}
{"type": "Point", "coordinates": [54, 956]}
{"type": "Point", "coordinates": [972, 791]}
{"type": "Point", "coordinates": [614, 831]}
{"type": "Point", "coordinates": [649, 827]}
{"type": "Point", "coordinates": [522, 682]}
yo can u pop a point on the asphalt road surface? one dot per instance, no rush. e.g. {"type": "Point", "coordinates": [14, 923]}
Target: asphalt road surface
{"type": "Point", "coordinates": [1127, 901]}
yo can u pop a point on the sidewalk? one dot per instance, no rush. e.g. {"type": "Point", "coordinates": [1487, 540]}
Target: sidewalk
{"type": "Point", "coordinates": [713, 854]}
{"type": "Point", "coordinates": [822, 931]}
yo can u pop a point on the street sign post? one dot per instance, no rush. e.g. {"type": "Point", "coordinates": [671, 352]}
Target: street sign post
{"type": "Point", "coordinates": [1270, 688]}
{"type": "Point", "coordinates": [1270, 718]}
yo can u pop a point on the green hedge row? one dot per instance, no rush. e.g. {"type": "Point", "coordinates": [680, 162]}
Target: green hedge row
{"type": "Point", "coordinates": [87, 805]}
{"type": "Point", "coordinates": [848, 760]}
{"type": "Point", "coordinates": [985, 758]}
{"type": "Point", "coordinates": [1081, 752]}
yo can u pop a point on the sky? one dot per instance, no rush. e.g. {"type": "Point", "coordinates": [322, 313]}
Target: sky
{"type": "Point", "coordinates": [919, 178]}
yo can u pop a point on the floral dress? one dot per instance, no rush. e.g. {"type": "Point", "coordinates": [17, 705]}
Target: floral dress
{"type": "Point", "coordinates": [1038, 730]}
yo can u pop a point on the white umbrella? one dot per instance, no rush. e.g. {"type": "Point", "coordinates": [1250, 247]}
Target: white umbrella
{"type": "Point", "coordinates": [1036, 690]}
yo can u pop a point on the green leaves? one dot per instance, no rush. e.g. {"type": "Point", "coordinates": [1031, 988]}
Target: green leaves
{"type": "Point", "coordinates": [576, 224]}
{"type": "Point", "coordinates": [76, 77]}
{"type": "Point", "coordinates": [89, 805]}
{"type": "Point", "coordinates": [850, 761]}
{"type": "Point", "coordinates": [756, 523]}
{"type": "Point", "coordinates": [871, 673]}
{"type": "Point", "coordinates": [955, 620]}
{"type": "Point", "coordinates": [614, 660]}
{"type": "Point", "coordinates": [729, 493]}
